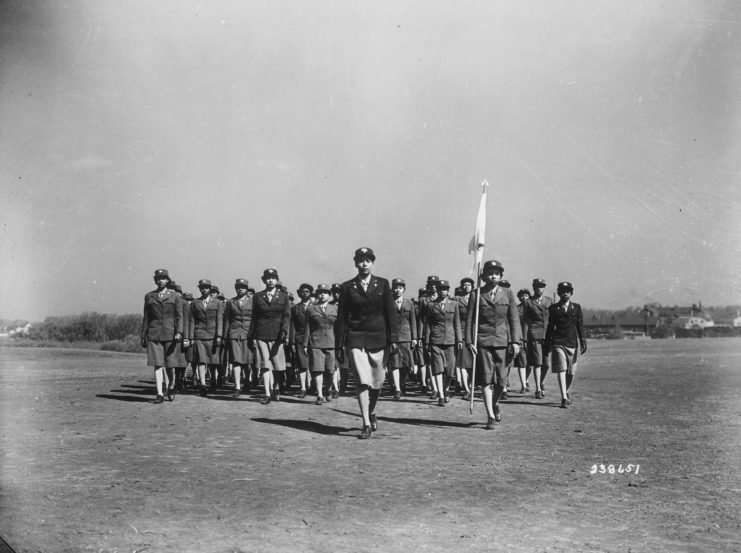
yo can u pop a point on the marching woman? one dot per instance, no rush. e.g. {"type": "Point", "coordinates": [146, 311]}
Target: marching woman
{"type": "Point", "coordinates": [521, 362]}
{"type": "Point", "coordinates": [464, 359]}
{"type": "Point", "coordinates": [403, 320]}
{"type": "Point", "coordinates": [237, 319]}
{"type": "Point", "coordinates": [175, 374]}
{"type": "Point", "coordinates": [162, 328]}
{"type": "Point", "coordinates": [565, 333]}
{"type": "Point", "coordinates": [535, 313]}
{"type": "Point", "coordinates": [207, 316]}
{"type": "Point", "coordinates": [418, 354]}
{"type": "Point", "coordinates": [296, 336]}
{"type": "Point", "coordinates": [442, 338]}
{"type": "Point", "coordinates": [187, 300]}
{"type": "Point", "coordinates": [496, 310]}
{"type": "Point", "coordinates": [364, 333]}
{"type": "Point", "coordinates": [271, 319]}
{"type": "Point", "coordinates": [340, 378]}
{"type": "Point", "coordinates": [319, 340]}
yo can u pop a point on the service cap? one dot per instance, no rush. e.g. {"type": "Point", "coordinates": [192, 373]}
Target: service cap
{"type": "Point", "coordinates": [161, 273]}
{"type": "Point", "coordinates": [493, 265]}
{"type": "Point", "coordinates": [305, 286]}
{"type": "Point", "coordinates": [364, 253]}
{"type": "Point", "coordinates": [565, 286]}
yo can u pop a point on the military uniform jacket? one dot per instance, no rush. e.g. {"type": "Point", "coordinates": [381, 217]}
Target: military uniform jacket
{"type": "Point", "coordinates": [363, 316]}
{"type": "Point", "coordinates": [270, 319]}
{"type": "Point", "coordinates": [298, 323]}
{"type": "Point", "coordinates": [536, 317]}
{"type": "Point", "coordinates": [208, 319]}
{"type": "Point", "coordinates": [442, 325]}
{"type": "Point", "coordinates": [237, 318]}
{"type": "Point", "coordinates": [463, 302]}
{"type": "Point", "coordinates": [163, 317]}
{"type": "Point", "coordinates": [564, 327]}
{"type": "Point", "coordinates": [187, 319]}
{"type": "Point", "coordinates": [499, 321]}
{"type": "Point", "coordinates": [421, 309]}
{"type": "Point", "coordinates": [523, 326]}
{"type": "Point", "coordinates": [403, 321]}
{"type": "Point", "coordinates": [320, 327]}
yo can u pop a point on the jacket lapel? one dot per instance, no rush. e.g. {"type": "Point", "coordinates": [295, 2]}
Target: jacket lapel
{"type": "Point", "coordinates": [359, 287]}
{"type": "Point", "coordinates": [485, 296]}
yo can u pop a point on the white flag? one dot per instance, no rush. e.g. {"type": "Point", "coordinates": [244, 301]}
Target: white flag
{"type": "Point", "coordinates": [478, 241]}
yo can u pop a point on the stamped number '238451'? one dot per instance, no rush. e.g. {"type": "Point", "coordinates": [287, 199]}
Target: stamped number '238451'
{"type": "Point", "coordinates": [611, 469]}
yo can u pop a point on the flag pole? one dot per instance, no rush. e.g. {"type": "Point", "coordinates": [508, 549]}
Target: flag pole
{"type": "Point", "coordinates": [478, 242]}
{"type": "Point", "coordinates": [477, 303]}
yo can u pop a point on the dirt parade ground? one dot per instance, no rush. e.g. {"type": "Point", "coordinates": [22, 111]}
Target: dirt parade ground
{"type": "Point", "coordinates": [89, 463]}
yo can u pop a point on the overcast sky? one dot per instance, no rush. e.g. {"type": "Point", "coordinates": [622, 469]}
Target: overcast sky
{"type": "Point", "coordinates": [219, 138]}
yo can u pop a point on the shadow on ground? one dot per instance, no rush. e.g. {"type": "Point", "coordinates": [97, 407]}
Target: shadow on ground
{"type": "Point", "coordinates": [308, 426]}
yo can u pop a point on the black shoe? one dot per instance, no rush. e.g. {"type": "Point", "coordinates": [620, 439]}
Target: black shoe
{"type": "Point", "coordinates": [265, 400]}
{"type": "Point", "coordinates": [467, 397]}
{"type": "Point", "coordinates": [203, 391]}
{"type": "Point", "coordinates": [489, 424]}
{"type": "Point", "coordinates": [441, 402]}
{"type": "Point", "coordinates": [504, 396]}
{"type": "Point", "coordinates": [435, 395]}
{"type": "Point", "coordinates": [159, 399]}
{"type": "Point", "coordinates": [374, 422]}
{"type": "Point", "coordinates": [564, 404]}
{"type": "Point", "coordinates": [276, 395]}
{"type": "Point", "coordinates": [397, 395]}
{"type": "Point", "coordinates": [538, 395]}
{"type": "Point", "coordinates": [171, 395]}
{"type": "Point", "coordinates": [335, 394]}
{"type": "Point", "coordinates": [447, 398]}
{"type": "Point", "coordinates": [366, 433]}
{"type": "Point", "coordinates": [497, 414]}
{"type": "Point", "coordinates": [302, 394]}
{"type": "Point", "coordinates": [237, 393]}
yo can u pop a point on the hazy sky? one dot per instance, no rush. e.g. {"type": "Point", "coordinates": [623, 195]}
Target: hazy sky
{"type": "Point", "coordinates": [219, 138]}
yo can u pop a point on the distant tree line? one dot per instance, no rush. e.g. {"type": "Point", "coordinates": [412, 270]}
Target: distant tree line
{"type": "Point", "coordinates": [121, 332]}
{"type": "Point", "coordinates": [716, 313]}
{"type": "Point", "coordinates": [87, 327]}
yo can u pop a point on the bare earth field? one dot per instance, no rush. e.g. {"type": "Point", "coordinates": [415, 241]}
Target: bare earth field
{"type": "Point", "coordinates": [89, 463]}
